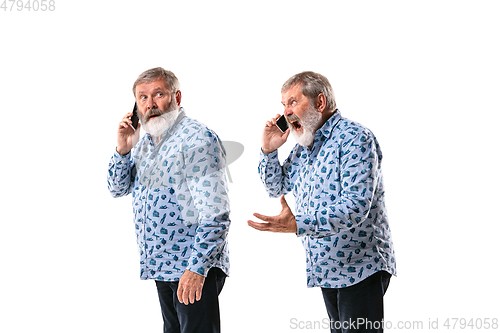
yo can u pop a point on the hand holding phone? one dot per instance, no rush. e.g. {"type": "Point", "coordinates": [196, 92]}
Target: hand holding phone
{"type": "Point", "coordinates": [272, 137]}
{"type": "Point", "coordinates": [128, 135]}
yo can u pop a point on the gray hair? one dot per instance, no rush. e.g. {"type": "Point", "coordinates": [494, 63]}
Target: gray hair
{"type": "Point", "coordinates": [158, 73]}
{"type": "Point", "coordinates": [313, 84]}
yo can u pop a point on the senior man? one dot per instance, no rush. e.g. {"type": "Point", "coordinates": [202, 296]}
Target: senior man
{"type": "Point", "coordinates": [176, 174]}
{"type": "Point", "coordinates": [335, 174]}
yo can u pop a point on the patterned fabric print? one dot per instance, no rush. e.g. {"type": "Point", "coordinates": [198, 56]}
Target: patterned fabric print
{"type": "Point", "coordinates": [180, 201]}
{"type": "Point", "coordinates": [340, 210]}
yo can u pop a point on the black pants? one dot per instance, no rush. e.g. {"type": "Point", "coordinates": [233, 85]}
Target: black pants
{"type": "Point", "coordinates": [358, 308]}
{"type": "Point", "coordinates": [201, 316]}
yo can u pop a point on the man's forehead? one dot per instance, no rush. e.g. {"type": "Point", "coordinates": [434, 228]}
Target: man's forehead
{"type": "Point", "coordinates": [294, 91]}
{"type": "Point", "coordinates": [158, 84]}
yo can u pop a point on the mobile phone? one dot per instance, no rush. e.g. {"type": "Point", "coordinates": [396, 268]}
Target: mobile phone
{"type": "Point", "coordinates": [282, 124]}
{"type": "Point", "coordinates": [134, 118]}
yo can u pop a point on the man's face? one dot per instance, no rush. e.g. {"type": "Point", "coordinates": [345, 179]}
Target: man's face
{"type": "Point", "coordinates": [158, 107]}
{"type": "Point", "coordinates": [153, 99]}
{"type": "Point", "coordinates": [301, 115]}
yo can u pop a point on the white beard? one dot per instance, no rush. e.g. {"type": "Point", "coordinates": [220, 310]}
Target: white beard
{"type": "Point", "coordinates": [310, 124]}
{"type": "Point", "coordinates": [156, 126]}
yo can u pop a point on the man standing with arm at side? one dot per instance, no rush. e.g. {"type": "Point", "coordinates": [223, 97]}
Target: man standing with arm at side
{"type": "Point", "coordinates": [176, 174]}
{"type": "Point", "coordinates": [335, 175]}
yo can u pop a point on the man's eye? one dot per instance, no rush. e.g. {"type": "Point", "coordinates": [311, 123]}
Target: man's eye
{"type": "Point", "coordinates": [159, 94]}
{"type": "Point", "coordinates": [294, 102]}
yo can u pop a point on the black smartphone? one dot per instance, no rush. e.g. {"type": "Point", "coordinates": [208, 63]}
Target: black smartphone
{"type": "Point", "coordinates": [282, 124]}
{"type": "Point", "coordinates": [135, 118]}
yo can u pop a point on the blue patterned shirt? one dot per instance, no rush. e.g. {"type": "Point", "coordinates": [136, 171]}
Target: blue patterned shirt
{"type": "Point", "coordinates": [340, 210]}
{"type": "Point", "coordinates": [179, 200]}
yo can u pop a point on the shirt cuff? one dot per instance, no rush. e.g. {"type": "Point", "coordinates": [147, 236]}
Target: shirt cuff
{"type": "Point", "coordinates": [196, 266]}
{"type": "Point", "coordinates": [304, 223]}
{"type": "Point", "coordinates": [268, 156]}
{"type": "Point", "coordinates": [310, 225]}
{"type": "Point", "coordinates": [121, 158]}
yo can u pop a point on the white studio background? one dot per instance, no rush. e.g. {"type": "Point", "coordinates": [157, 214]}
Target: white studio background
{"type": "Point", "coordinates": [423, 75]}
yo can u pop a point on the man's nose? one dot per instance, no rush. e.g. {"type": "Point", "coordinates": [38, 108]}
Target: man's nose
{"type": "Point", "coordinates": [288, 112]}
{"type": "Point", "coordinates": [151, 103]}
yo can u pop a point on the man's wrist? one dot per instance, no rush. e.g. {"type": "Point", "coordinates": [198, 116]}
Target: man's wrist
{"type": "Point", "coordinates": [267, 151]}
{"type": "Point", "coordinates": [197, 268]}
{"type": "Point", "coordinates": [121, 152]}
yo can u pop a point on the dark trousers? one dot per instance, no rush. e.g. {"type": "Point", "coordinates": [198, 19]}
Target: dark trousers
{"type": "Point", "coordinates": [358, 308]}
{"type": "Point", "coordinates": [201, 316]}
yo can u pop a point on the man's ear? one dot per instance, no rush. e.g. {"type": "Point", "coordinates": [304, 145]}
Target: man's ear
{"type": "Point", "coordinates": [178, 97]}
{"type": "Point", "coordinates": [320, 102]}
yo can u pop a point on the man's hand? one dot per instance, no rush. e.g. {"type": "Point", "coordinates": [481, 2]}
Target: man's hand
{"type": "Point", "coordinates": [127, 137]}
{"type": "Point", "coordinates": [284, 222]}
{"type": "Point", "coordinates": [272, 137]}
{"type": "Point", "coordinates": [190, 287]}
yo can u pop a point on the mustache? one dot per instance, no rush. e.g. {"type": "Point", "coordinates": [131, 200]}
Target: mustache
{"type": "Point", "coordinates": [292, 119]}
{"type": "Point", "coordinates": [152, 112]}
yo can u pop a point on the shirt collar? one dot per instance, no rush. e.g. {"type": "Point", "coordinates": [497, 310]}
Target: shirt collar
{"type": "Point", "coordinates": [328, 126]}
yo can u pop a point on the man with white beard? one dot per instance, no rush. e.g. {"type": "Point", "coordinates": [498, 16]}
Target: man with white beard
{"type": "Point", "coordinates": [176, 174]}
{"type": "Point", "coordinates": [335, 174]}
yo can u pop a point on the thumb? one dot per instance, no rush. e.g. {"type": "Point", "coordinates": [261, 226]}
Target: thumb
{"type": "Point", "coordinates": [284, 204]}
{"type": "Point", "coordinates": [286, 133]}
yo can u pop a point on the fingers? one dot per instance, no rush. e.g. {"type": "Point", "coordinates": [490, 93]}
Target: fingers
{"type": "Point", "coordinates": [275, 119]}
{"type": "Point", "coordinates": [191, 296]}
{"type": "Point", "coordinates": [188, 295]}
{"type": "Point", "coordinates": [259, 226]}
{"type": "Point", "coordinates": [262, 217]}
{"type": "Point", "coordinates": [127, 117]}
{"type": "Point", "coordinates": [126, 122]}
{"type": "Point", "coordinates": [197, 295]}
{"type": "Point", "coordinates": [272, 122]}
{"type": "Point", "coordinates": [190, 287]}
{"type": "Point", "coordinates": [180, 294]}
{"type": "Point", "coordinates": [183, 295]}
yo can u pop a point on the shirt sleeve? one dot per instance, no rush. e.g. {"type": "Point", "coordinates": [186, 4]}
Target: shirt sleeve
{"type": "Point", "coordinates": [120, 174]}
{"type": "Point", "coordinates": [205, 163]}
{"type": "Point", "coordinates": [275, 177]}
{"type": "Point", "coordinates": [359, 176]}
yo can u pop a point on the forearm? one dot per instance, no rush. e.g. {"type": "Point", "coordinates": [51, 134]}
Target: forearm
{"type": "Point", "coordinates": [272, 175]}
{"type": "Point", "coordinates": [119, 174]}
{"type": "Point", "coordinates": [207, 183]}
{"type": "Point", "coordinates": [211, 200]}
{"type": "Point", "coordinates": [209, 244]}
{"type": "Point", "coordinates": [344, 215]}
